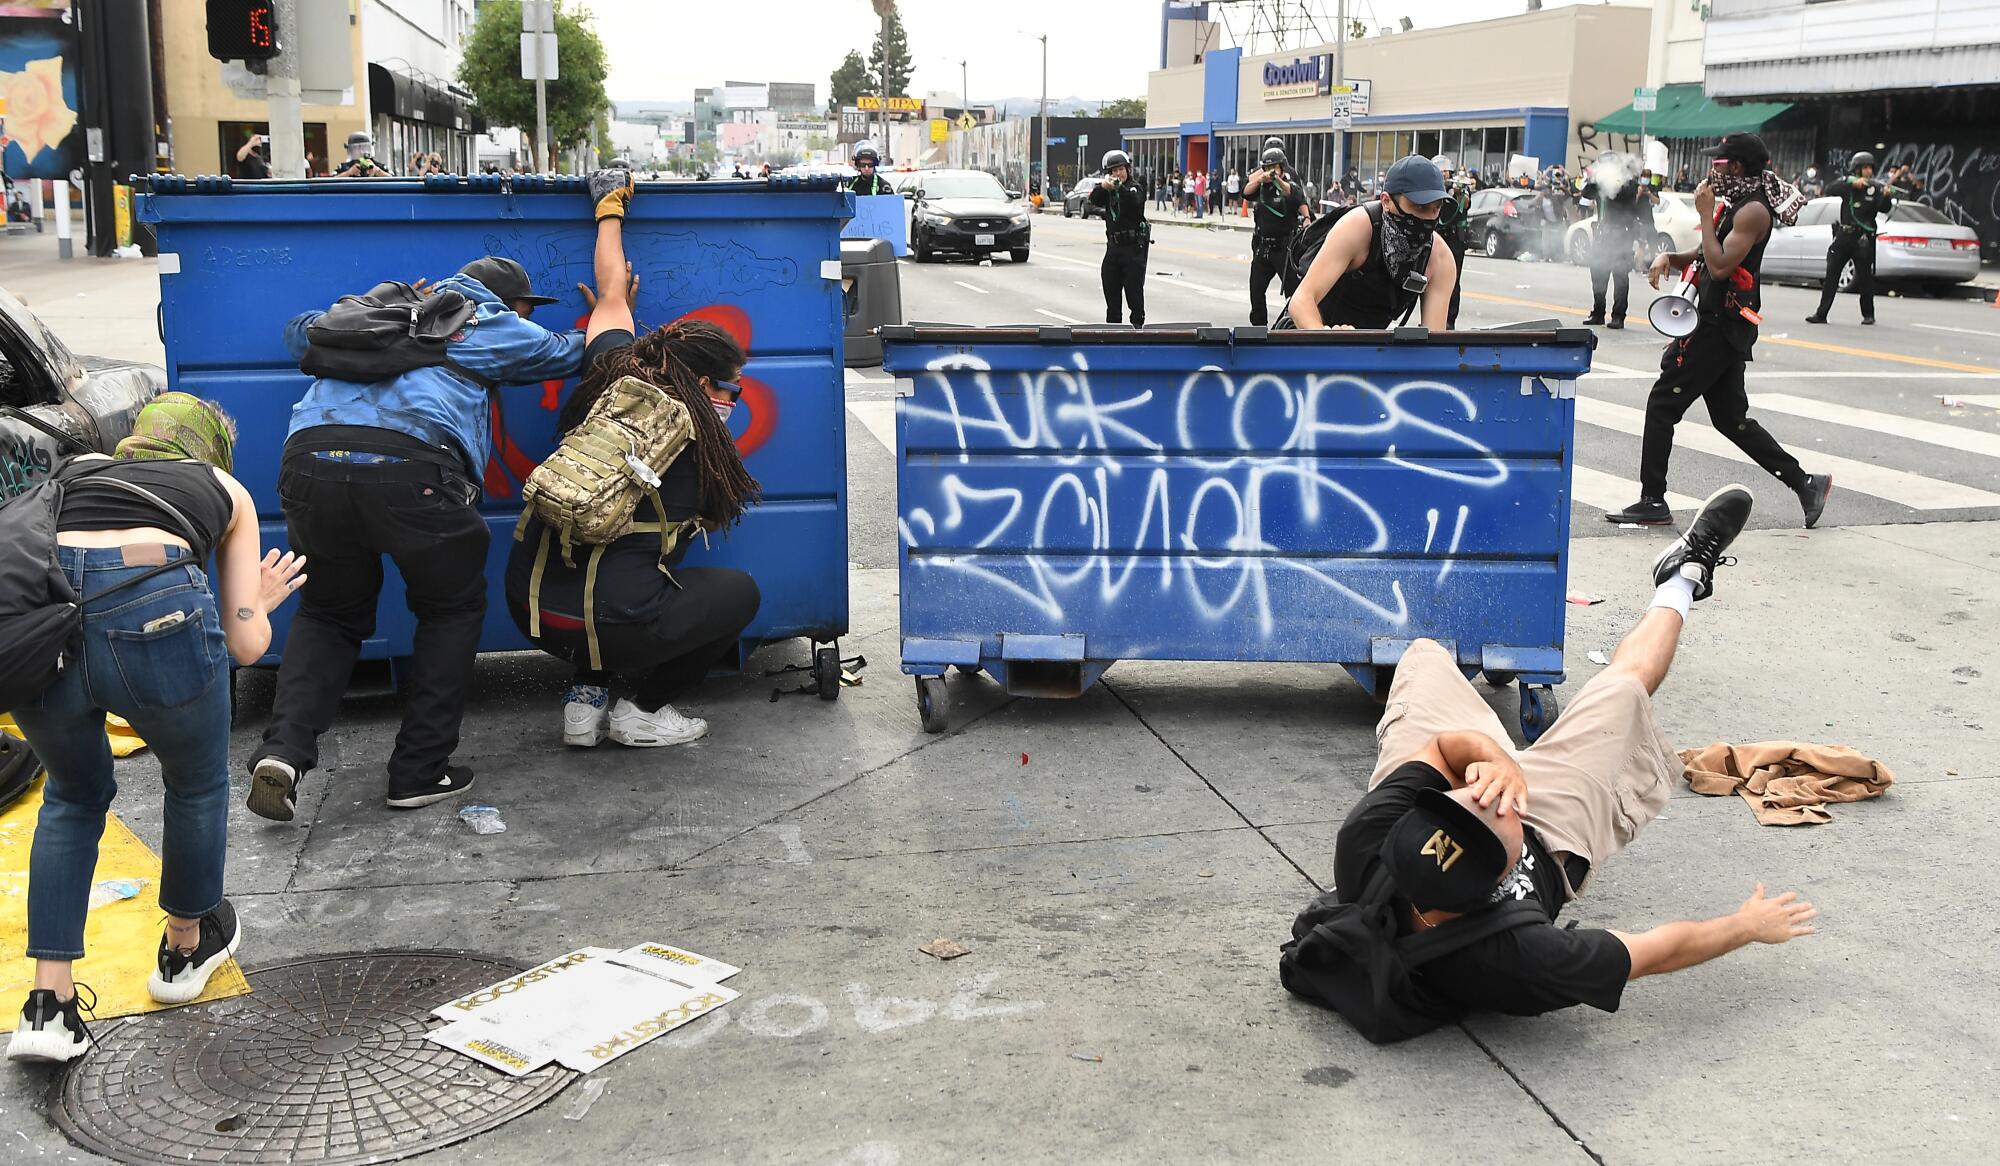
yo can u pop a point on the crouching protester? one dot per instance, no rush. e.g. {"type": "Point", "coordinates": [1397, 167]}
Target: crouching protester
{"type": "Point", "coordinates": [646, 464]}
{"type": "Point", "coordinates": [1451, 871]}
{"type": "Point", "coordinates": [128, 540]}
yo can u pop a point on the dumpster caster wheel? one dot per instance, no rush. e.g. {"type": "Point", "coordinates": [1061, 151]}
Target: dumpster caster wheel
{"type": "Point", "coordinates": [932, 704]}
{"type": "Point", "coordinates": [826, 671]}
{"type": "Point", "coordinates": [968, 669]}
{"type": "Point", "coordinates": [1538, 711]}
{"type": "Point", "coordinates": [1500, 679]}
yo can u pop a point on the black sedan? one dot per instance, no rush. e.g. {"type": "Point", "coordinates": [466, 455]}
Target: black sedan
{"type": "Point", "coordinates": [964, 212]}
{"type": "Point", "coordinates": [1504, 221]}
{"type": "Point", "coordinates": [1076, 204]}
{"type": "Point", "coordinates": [47, 391]}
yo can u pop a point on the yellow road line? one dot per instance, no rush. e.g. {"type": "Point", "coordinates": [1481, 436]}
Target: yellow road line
{"type": "Point", "coordinates": [1473, 295]}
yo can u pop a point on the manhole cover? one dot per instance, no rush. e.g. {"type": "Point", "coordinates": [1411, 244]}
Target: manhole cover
{"type": "Point", "coordinates": [324, 1062]}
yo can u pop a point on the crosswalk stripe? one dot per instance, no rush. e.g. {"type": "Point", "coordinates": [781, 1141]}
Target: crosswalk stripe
{"type": "Point", "coordinates": [1986, 402]}
{"type": "Point", "coordinates": [1931, 432]}
{"type": "Point", "coordinates": [1911, 490]}
{"type": "Point", "coordinates": [1058, 316]}
{"type": "Point", "coordinates": [1611, 493]}
{"type": "Point", "coordinates": [1604, 372]}
{"type": "Point", "coordinates": [879, 418]}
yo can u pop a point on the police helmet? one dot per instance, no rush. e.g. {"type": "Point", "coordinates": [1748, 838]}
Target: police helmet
{"type": "Point", "coordinates": [361, 139]}
{"type": "Point", "coordinates": [1114, 159]}
{"type": "Point", "coordinates": [1273, 156]}
{"type": "Point", "coordinates": [1274, 142]}
{"type": "Point", "coordinates": [1861, 158]}
{"type": "Point", "coordinates": [1444, 163]}
{"type": "Point", "coordinates": [867, 154]}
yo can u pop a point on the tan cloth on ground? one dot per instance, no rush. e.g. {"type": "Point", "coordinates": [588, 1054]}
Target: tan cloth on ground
{"type": "Point", "coordinates": [1787, 783]}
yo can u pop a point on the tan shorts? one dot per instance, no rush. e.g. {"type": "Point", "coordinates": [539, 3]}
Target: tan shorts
{"type": "Point", "coordinates": [1599, 774]}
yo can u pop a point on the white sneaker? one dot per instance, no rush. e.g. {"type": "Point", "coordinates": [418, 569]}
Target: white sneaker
{"type": "Point", "coordinates": [634, 726]}
{"type": "Point", "coordinates": [585, 715]}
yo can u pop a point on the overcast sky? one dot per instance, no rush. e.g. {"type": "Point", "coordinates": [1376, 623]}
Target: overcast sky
{"type": "Point", "coordinates": [1097, 49]}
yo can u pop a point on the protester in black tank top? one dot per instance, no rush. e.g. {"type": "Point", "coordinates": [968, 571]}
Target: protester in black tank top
{"type": "Point", "coordinates": [1366, 273]}
{"type": "Point", "coordinates": [1709, 363]}
{"type": "Point", "coordinates": [157, 654]}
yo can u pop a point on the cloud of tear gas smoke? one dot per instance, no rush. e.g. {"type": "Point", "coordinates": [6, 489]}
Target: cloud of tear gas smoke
{"type": "Point", "coordinates": [1614, 172]}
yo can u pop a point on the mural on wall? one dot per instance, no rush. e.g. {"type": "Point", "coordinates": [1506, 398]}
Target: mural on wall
{"type": "Point", "coordinates": [40, 136]}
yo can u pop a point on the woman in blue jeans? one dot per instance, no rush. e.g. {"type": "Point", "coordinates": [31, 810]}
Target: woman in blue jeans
{"type": "Point", "coordinates": [156, 653]}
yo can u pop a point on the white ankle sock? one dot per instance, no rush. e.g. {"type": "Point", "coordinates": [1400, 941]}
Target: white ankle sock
{"type": "Point", "coordinates": [1677, 593]}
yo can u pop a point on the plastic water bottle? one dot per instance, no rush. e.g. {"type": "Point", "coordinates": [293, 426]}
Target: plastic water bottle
{"type": "Point", "coordinates": [483, 819]}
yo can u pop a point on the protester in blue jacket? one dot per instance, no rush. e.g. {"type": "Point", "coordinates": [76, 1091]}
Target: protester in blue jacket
{"type": "Point", "coordinates": [394, 468]}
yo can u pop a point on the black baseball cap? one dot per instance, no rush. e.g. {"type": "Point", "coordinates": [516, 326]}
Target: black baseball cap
{"type": "Point", "coordinates": [1746, 148]}
{"type": "Point", "coordinates": [1416, 178]}
{"type": "Point", "coordinates": [1442, 856]}
{"type": "Point", "coordinates": [504, 278]}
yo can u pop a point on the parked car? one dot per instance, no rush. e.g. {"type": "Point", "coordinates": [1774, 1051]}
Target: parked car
{"type": "Point", "coordinates": [1076, 204]}
{"type": "Point", "coordinates": [1675, 228]}
{"type": "Point", "coordinates": [45, 389]}
{"type": "Point", "coordinates": [1502, 221]}
{"type": "Point", "coordinates": [965, 212]}
{"type": "Point", "coordinates": [1917, 246]}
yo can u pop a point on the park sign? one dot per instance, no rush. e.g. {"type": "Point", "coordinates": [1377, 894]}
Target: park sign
{"type": "Point", "coordinates": [1302, 77]}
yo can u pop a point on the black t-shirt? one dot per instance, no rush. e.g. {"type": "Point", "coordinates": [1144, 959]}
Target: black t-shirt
{"type": "Point", "coordinates": [254, 166]}
{"type": "Point", "coordinates": [630, 586]}
{"type": "Point", "coordinates": [1523, 972]}
{"type": "Point", "coordinates": [1277, 211]}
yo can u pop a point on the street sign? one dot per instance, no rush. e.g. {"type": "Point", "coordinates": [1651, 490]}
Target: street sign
{"type": "Point", "coordinates": [940, 129]}
{"type": "Point", "coordinates": [1645, 100]}
{"type": "Point", "coordinates": [1083, 139]}
{"type": "Point", "coordinates": [966, 121]}
{"type": "Point", "coordinates": [547, 41]}
{"type": "Point", "coordinates": [1350, 100]}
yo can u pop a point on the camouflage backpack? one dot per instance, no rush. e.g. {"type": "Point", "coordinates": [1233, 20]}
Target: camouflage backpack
{"type": "Point", "coordinates": [589, 489]}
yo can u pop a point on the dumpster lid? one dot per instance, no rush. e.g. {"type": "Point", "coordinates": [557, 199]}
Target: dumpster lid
{"type": "Point", "coordinates": [1536, 332]}
{"type": "Point", "coordinates": [867, 251]}
{"type": "Point", "coordinates": [466, 184]}
{"type": "Point", "coordinates": [922, 332]}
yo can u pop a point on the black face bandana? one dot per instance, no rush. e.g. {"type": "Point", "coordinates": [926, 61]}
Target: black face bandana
{"type": "Point", "coordinates": [1403, 238]}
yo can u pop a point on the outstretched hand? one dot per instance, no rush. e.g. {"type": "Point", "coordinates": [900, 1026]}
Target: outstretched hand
{"type": "Point", "coordinates": [1777, 919]}
{"type": "Point", "coordinates": [277, 578]}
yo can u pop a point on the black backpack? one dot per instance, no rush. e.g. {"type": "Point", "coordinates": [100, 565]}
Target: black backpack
{"type": "Point", "coordinates": [40, 613]}
{"type": "Point", "coordinates": [1348, 957]}
{"type": "Point", "coordinates": [387, 332]}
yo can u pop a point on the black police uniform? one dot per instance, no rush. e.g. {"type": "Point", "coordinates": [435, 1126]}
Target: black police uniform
{"type": "Point", "coordinates": [1126, 238]}
{"type": "Point", "coordinates": [1708, 364]}
{"type": "Point", "coordinates": [870, 184]}
{"type": "Point", "coordinates": [1451, 228]}
{"type": "Point", "coordinates": [1611, 250]}
{"type": "Point", "coordinates": [1854, 239]}
{"type": "Point", "coordinates": [1275, 215]}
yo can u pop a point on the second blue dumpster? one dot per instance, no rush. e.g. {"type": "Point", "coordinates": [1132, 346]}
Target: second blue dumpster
{"type": "Point", "coordinates": [1070, 498]}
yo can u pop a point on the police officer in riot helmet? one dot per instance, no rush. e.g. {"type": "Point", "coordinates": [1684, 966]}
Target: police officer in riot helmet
{"type": "Point", "coordinates": [1620, 208]}
{"type": "Point", "coordinates": [866, 181]}
{"type": "Point", "coordinates": [1278, 206]}
{"type": "Point", "coordinates": [1451, 223]}
{"type": "Point", "coordinates": [1383, 259]}
{"type": "Point", "coordinates": [1127, 236]}
{"type": "Point", "coordinates": [1862, 201]}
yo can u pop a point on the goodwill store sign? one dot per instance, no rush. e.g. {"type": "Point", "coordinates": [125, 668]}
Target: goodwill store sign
{"type": "Point", "coordinates": [1302, 77]}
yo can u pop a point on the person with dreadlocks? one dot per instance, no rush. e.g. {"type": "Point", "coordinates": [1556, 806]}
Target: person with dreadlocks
{"type": "Point", "coordinates": [1739, 206]}
{"type": "Point", "coordinates": [144, 524]}
{"type": "Point", "coordinates": [659, 626]}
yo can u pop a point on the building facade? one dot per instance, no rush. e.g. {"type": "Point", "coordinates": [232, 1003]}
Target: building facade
{"type": "Point", "coordinates": [415, 104]}
{"type": "Point", "coordinates": [1529, 84]}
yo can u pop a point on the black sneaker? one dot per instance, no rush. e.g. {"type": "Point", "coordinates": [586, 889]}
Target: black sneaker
{"type": "Point", "coordinates": [1812, 497]}
{"type": "Point", "coordinates": [1815, 319]}
{"type": "Point", "coordinates": [51, 1031]}
{"type": "Point", "coordinates": [182, 976]}
{"type": "Point", "coordinates": [274, 789]}
{"type": "Point", "coordinates": [1644, 512]}
{"type": "Point", "coordinates": [1594, 318]}
{"type": "Point", "coordinates": [1868, 320]}
{"type": "Point", "coordinates": [456, 780]}
{"type": "Point", "coordinates": [1715, 526]}
{"type": "Point", "coordinates": [1617, 324]}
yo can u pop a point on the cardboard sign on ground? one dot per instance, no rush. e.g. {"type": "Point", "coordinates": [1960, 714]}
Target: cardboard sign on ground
{"type": "Point", "coordinates": [584, 1008]}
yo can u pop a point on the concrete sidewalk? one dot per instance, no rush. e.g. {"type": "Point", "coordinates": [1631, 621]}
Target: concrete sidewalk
{"type": "Point", "coordinates": [1125, 865]}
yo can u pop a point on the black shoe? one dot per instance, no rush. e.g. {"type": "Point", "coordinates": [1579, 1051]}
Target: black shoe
{"type": "Point", "coordinates": [1812, 497]}
{"type": "Point", "coordinates": [1868, 320]}
{"type": "Point", "coordinates": [1617, 324]}
{"type": "Point", "coordinates": [274, 789]}
{"type": "Point", "coordinates": [455, 780]}
{"type": "Point", "coordinates": [183, 975]}
{"type": "Point", "coordinates": [1644, 512]}
{"type": "Point", "coordinates": [1714, 527]}
{"type": "Point", "coordinates": [1594, 318]}
{"type": "Point", "coordinates": [51, 1031]}
{"type": "Point", "coordinates": [1815, 319]}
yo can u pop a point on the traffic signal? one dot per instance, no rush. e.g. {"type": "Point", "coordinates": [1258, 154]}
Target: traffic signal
{"type": "Point", "coordinates": [242, 30]}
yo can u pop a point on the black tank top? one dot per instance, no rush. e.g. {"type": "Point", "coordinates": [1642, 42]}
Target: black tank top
{"type": "Point", "coordinates": [1720, 303]}
{"type": "Point", "coordinates": [1365, 297]}
{"type": "Point", "coordinates": [190, 487]}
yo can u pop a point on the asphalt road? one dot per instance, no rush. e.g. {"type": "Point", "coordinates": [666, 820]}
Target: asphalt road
{"type": "Point", "coordinates": [1870, 405]}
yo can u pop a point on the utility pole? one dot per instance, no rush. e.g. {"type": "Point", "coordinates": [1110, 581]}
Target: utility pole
{"type": "Point", "coordinates": [538, 20]}
{"type": "Point", "coordinates": [1044, 38]}
{"type": "Point", "coordinates": [1340, 78]}
{"type": "Point", "coordinates": [885, 9]}
{"type": "Point", "coordinates": [964, 88]}
{"type": "Point", "coordinates": [282, 101]}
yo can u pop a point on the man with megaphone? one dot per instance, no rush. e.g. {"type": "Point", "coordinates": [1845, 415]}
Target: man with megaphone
{"type": "Point", "coordinates": [1713, 320]}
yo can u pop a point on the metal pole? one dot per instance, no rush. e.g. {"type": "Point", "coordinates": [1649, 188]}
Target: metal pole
{"type": "Point", "coordinates": [60, 189]}
{"type": "Point", "coordinates": [539, 19]}
{"type": "Point", "coordinates": [1044, 191]}
{"type": "Point", "coordinates": [964, 88]}
{"type": "Point", "coordinates": [282, 102]}
{"type": "Point", "coordinates": [1340, 78]}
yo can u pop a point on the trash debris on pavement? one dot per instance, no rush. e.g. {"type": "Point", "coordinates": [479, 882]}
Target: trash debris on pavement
{"type": "Point", "coordinates": [1024, 758]}
{"type": "Point", "coordinates": [1081, 1055]}
{"type": "Point", "coordinates": [1950, 402]}
{"type": "Point", "coordinates": [585, 1098]}
{"type": "Point", "coordinates": [945, 949]}
{"type": "Point", "coordinates": [1584, 599]}
{"type": "Point", "coordinates": [583, 1009]}
{"type": "Point", "coordinates": [1204, 874]}
{"type": "Point", "coordinates": [483, 819]}
{"type": "Point", "coordinates": [115, 890]}
{"type": "Point", "coordinates": [1597, 656]}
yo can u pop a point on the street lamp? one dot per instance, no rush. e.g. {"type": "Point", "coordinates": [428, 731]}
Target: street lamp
{"type": "Point", "coordinates": [1044, 38]}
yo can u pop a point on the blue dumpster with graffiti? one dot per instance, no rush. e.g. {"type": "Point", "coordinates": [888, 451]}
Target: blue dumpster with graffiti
{"type": "Point", "coordinates": [1068, 499]}
{"type": "Point", "coordinates": [238, 260]}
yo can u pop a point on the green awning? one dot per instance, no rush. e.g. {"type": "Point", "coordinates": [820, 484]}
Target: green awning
{"type": "Point", "coordinates": [1686, 112]}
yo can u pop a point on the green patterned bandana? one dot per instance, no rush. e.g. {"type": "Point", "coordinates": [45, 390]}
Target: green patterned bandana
{"type": "Point", "coordinates": [175, 426]}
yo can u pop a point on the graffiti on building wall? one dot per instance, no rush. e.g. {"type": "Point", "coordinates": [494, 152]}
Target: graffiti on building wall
{"type": "Point", "coordinates": [1959, 178]}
